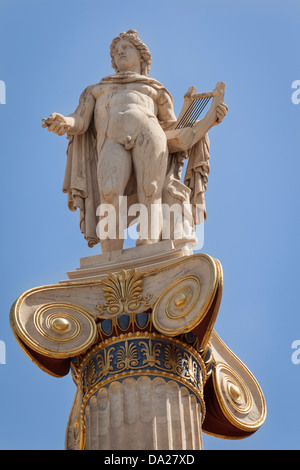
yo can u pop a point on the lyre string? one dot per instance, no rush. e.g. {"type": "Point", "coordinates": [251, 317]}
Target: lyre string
{"type": "Point", "coordinates": [199, 105]}
{"type": "Point", "coordinates": [193, 112]}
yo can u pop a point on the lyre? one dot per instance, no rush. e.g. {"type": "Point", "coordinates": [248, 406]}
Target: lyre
{"type": "Point", "coordinates": [188, 129]}
{"type": "Point", "coordinates": [194, 104]}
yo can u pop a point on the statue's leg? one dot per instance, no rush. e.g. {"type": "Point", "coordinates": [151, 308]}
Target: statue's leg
{"type": "Point", "coordinates": [150, 156]}
{"type": "Point", "coordinates": [114, 170]}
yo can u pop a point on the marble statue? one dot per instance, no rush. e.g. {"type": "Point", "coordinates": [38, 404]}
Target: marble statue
{"type": "Point", "coordinates": [135, 327]}
{"type": "Point", "coordinates": [119, 146]}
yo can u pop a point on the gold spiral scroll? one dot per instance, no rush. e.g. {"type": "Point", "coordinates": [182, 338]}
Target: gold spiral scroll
{"type": "Point", "coordinates": [58, 330]}
{"type": "Point", "coordinates": [182, 305]}
{"type": "Point", "coordinates": [243, 409]}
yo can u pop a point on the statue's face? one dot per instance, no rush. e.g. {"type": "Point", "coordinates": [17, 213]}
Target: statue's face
{"type": "Point", "coordinates": [127, 57]}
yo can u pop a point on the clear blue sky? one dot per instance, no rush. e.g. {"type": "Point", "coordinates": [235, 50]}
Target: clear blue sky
{"type": "Point", "coordinates": [50, 51]}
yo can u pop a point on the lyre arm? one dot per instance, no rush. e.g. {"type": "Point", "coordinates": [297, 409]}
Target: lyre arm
{"type": "Point", "coordinates": [206, 94]}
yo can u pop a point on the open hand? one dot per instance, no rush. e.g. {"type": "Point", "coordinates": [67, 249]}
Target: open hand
{"type": "Point", "coordinates": [57, 123]}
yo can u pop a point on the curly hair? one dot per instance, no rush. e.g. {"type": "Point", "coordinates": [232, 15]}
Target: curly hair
{"type": "Point", "coordinates": [132, 36]}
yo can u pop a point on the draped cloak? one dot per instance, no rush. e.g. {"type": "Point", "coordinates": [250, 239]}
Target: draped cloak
{"type": "Point", "coordinates": [80, 180]}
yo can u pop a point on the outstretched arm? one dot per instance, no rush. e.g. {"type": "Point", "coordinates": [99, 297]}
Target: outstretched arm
{"type": "Point", "coordinates": [76, 123]}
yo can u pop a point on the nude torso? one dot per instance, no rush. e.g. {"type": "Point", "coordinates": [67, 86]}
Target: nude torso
{"type": "Point", "coordinates": [123, 110]}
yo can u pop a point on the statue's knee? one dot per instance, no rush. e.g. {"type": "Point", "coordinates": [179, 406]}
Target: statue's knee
{"type": "Point", "coordinates": [109, 195]}
{"type": "Point", "coordinates": [150, 190]}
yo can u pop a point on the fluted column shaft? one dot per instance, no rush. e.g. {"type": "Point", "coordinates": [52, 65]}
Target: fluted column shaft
{"type": "Point", "coordinates": [141, 391]}
{"type": "Point", "coordinates": [143, 414]}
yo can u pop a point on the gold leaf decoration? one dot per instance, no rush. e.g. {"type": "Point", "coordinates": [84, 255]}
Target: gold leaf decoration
{"type": "Point", "coordinates": [127, 356]}
{"type": "Point", "coordinates": [123, 293]}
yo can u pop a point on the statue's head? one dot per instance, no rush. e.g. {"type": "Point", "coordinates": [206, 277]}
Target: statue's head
{"type": "Point", "coordinates": [144, 54]}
